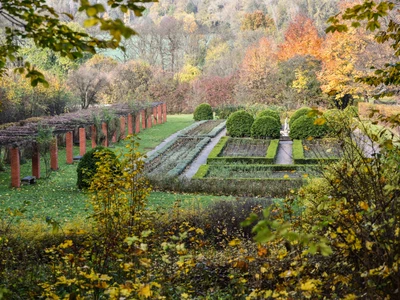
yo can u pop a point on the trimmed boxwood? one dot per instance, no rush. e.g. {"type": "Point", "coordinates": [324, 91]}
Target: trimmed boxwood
{"type": "Point", "coordinates": [87, 166]}
{"type": "Point", "coordinates": [239, 124]}
{"type": "Point", "coordinates": [265, 127]}
{"type": "Point", "coordinates": [304, 127]}
{"type": "Point", "coordinates": [297, 114]}
{"type": "Point", "coordinates": [270, 113]}
{"type": "Point", "coordinates": [203, 112]}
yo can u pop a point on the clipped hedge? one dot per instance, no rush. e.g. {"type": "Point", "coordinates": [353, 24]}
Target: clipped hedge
{"type": "Point", "coordinates": [304, 127]}
{"type": "Point", "coordinates": [298, 155]}
{"type": "Point", "coordinates": [297, 114]}
{"type": "Point", "coordinates": [239, 124]}
{"type": "Point", "coordinates": [219, 147]}
{"type": "Point", "coordinates": [201, 172]}
{"type": "Point", "coordinates": [203, 112]}
{"type": "Point", "coordinates": [266, 127]}
{"type": "Point", "coordinates": [87, 166]}
{"type": "Point", "coordinates": [270, 113]}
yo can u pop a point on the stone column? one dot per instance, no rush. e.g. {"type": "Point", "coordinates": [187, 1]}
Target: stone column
{"type": "Point", "coordinates": [143, 114]}
{"type": "Point", "coordinates": [137, 123]}
{"type": "Point", "coordinates": [122, 122]}
{"type": "Point", "coordinates": [35, 160]}
{"type": "Point", "coordinates": [164, 112]}
{"type": "Point", "coordinates": [130, 124]}
{"type": "Point", "coordinates": [93, 136]}
{"type": "Point", "coordinates": [82, 141]}
{"type": "Point", "coordinates": [159, 114]}
{"type": "Point", "coordinates": [69, 147]}
{"type": "Point", "coordinates": [54, 155]}
{"type": "Point", "coordinates": [15, 167]}
{"type": "Point", "coordinates": [105, 134]}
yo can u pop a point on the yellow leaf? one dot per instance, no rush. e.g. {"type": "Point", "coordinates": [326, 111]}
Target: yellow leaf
{"type": "Point", "coordinates": [286, 176]}
{"type": "Point", "coordinates": [309, 285]}
{"type": "Point", "coordinates": [234, 242]}
{"type": "Point", "coordinates": [369, 245]}
{"type": "Point", "coordinates": [363, 205]}
{"type": "Point", "coordinates": [66, 244]}
{"type": "Point", "coordinates": [319, 121]}
{"type": "Point", "coordinates": [184, 296]}
{"type": "Point", "coordinates": [145, 291]}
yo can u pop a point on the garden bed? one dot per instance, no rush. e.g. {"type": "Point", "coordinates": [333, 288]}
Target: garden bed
{"type": "Point", "coordinates": [172, 159]}
{"type": "Point", "coordinates": [204, 128]}
{"type": "Point", "coordinates": [244, 151]}
{"type": "Point", "coordinates": [316, 151]}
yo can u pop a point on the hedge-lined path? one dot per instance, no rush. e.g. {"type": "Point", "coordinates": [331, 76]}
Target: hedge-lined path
{"type": "Point", "coordinates": [202, 157]}
{"type": "Point", "coordinates": [284, 154]}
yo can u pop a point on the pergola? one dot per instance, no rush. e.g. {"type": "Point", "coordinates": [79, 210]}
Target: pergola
{"type": "Point", "coordinates": [24, 133]}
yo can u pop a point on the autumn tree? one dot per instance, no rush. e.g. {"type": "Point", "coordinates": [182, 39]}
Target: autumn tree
{"type": "Point", "coordinates": [256, 20]}
{"type": "Point", "coordinates": [301, 38]}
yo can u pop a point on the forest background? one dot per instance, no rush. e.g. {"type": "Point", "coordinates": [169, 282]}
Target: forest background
{"type": "Point", "coordinates": [187, 52]}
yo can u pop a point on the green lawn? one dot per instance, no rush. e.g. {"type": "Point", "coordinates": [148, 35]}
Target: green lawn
{"type": "Point", "coordinates": [58, 198]}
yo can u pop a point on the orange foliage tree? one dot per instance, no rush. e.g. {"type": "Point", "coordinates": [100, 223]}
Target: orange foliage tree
{"type": "Point", "coordinates": [301, 38]}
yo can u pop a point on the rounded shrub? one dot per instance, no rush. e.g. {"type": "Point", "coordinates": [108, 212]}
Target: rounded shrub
{"type": "Point", "coordinates": [87, 166]}
{"type": "Point", "coordinates": [297, 114]}
{"type": "Point", "coordinates": [269, 113]}
{"type": "Point", "coordinates": [265, 127]}
{"type": "Point", "coordinates": [304, 127]}
{"type": "Point", "coordinates": [239, 124]}
{"type": "Point", "coordinates": [203, 112]}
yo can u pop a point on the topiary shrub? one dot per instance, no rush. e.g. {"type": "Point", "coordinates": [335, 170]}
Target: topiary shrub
{"type": "Point", "coordinates": [265, 127]}
{"type": "Point", "coordinates": [239, 124]}
{"type": "Point", "coordinates": [304, 127]}
{"type": "Point", "coordinates": [87, 167]}
{"type": "Point", "coordinates": [203, 112]}
{"type": "Point", "coordinates": [297, 114]}
{"type": "Point", "coordinates": [270, 113]}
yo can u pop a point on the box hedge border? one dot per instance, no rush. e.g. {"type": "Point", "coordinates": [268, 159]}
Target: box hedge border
{"type": "Point", "coordinates": [298, 155]}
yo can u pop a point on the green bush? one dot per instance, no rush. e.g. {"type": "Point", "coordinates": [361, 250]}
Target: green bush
{"type": "Point", "coordinates": [225, 111]}
{"type": "Point", "coordinates": [270, 113]}
{"type": "Point", "coordinates": [203, 112]}
{"type": "Point", "coordinates": [304, 127]}
{"type": "Point", "coordinates": [351, 110]}
{"type": "Point", "coordinates": [297, 114]}
{"type": "Point", "coordinates": [87, 167]}
{"type": "Point", "coordinates": [239, 124]}
{"type": "Point", "coordinates": [265, 127]}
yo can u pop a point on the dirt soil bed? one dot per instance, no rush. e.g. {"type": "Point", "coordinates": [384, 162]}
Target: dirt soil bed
{"type": "Point", "coordinates": [245, 148]}
{"type": "Point", "coordinates": [325, 148]}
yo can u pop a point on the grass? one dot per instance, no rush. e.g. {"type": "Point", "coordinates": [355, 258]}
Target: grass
{"type": "Point", "coordinates": [58, 198]}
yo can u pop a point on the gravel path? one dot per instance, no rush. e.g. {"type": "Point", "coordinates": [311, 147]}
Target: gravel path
{"type": "Point", "coordinates": [202, 157]}
{"type": "Point", "coordinates": [284, 155]}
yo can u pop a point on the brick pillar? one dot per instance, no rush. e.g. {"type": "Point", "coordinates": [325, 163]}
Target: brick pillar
{"type": "Point", "coordinates": [149, 117]}
{"type": "Point", "coordinates": [143, 119]}
{"type": "Point", "coordinates": [114, 137]}
{"type": "Point", "coordinates": [15, 167]}
{"type": "Point", "coordinates": [82, 141]}
{"type": "Point", "coordinates": [122, 122]}
{"type": "Point", "coordinates": [35, 160]}
{"type": "Point", "coordinates": [130, 124]}
{"type": "Point", "coordinates": [154, 118]}
{"type": "Point", "coordinates": [69, 145]}
{"type": "Point", "coordinates": [105, 134]}
{"type": "Point", "coordinates": [137, 123]}
{"type": "Point", "coordinates": [164, 112]}
{"type": "Point", "coordinates": [54, 155]}
{"type": "Point", "coordinates": [93, 136]}
{"type": "Point", "coordinates": [159, 114]}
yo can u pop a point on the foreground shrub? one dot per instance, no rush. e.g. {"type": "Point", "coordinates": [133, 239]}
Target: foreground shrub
{"type": "Point", "coordinates": [265, 127]}
{"type": "Point", "coordinates": [297, 114]}
{"type": "Point", "coordinates": [351, 110]}
{"type": "Point", "coordinates": [203, 112]}
{"type": "Point", "coordinates": [239, 124]}
{"type": "Point", "coordinates": [304, 127]}
{"type": "Point", "coordinates": [270, 113]}
{"type": "Point", "coordinates": [88, 166]}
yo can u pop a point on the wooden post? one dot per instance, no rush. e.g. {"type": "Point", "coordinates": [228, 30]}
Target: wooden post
{"type": "Point", "coordinates": [159, 114]}
{"type": "Point", "coordinates": [122, 122]}
{"type": "Point", "coordinates": [130, 124]}
{"type": "Point", "coordinates": [35, 160]}
{"type": "Point", "coordinates": [15, 167]}
{"type": "Point", "coordinates": [164, 112]}
{"type": "Point", "coordinates": [143, 113]}
{"type": "Point", "coordinates": [137, 123]}
{"type": "Point", "coordinates": [54, 155]}
{"type": "Point", "coordinates": [93, 136]}
{"type": "Point", "coordinates": [82, 141]}
{"type": "Point", "coordinates": [69, 145]}
{"type": "Point", "coordinates": [105, 134]}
